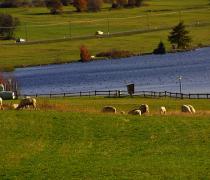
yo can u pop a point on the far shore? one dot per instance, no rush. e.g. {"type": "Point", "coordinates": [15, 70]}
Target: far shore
{"type": "Point", "coordinates": [11, 69]}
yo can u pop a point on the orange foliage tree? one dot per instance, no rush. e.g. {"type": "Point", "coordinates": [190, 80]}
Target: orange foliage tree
{"type": "Point", "coordinates": [84, 54]}
{"type": "Point", "coordinates": [81, 5]}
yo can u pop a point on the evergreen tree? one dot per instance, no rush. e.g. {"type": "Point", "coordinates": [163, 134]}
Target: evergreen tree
{"type": "Point", "coordinates": [160, 49]}
{"type": "Point", "coordinates": [179, 36]}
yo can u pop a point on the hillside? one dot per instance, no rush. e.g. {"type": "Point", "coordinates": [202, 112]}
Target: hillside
{"type": "Point", "coordinates": [38, 25]}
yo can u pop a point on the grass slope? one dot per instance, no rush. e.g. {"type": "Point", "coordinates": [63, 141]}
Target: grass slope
{"type": "Point", "coordinates": [70, 139]}
{"type": "Point", "coordinates": [19, 56]}
{"type": "Point", "coordinates": [53, 145]}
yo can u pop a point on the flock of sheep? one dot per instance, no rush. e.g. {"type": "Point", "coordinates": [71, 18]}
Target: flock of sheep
{"type": "Point", "coordinates": [24, 103]}
{"type": "Point", "coordinates": [144, 108]}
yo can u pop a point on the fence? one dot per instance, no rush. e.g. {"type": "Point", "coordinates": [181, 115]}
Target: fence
{"type": "Point", "coordinates": [116, 26]}
{"type": "Point", "coordinates": [119, 93]}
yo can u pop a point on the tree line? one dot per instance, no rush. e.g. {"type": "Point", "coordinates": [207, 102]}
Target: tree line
{"type": "Point", "coordinates": [56, 6]}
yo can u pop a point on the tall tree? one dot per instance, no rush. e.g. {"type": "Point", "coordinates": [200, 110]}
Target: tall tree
{"type": "Point", "coordinates": [8, 25]}
{"type": "Point", "coordinates": [55, 6]}
{"type": "Point", "coordinates": [94, 5]}
{"type": "Point", "coordinates": [81, 5]}
{"type": "Point", "coordinates": [179, 36]}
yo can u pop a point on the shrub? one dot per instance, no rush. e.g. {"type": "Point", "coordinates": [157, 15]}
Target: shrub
{"type": "Point", "coordinates": [160, 49]}
{"type": "Point", "coordinates": [84, 54]}
{"type": "Point", "coordinates": [55, 6]}
{"type": "Point", "coordinates": [94, 5]}
{"type": "Point", "coordinates": [115, 54]}
{"type": "Point", "coordinates": [80, 5]}
{"type": "Point", "coordinates": [8, 25]}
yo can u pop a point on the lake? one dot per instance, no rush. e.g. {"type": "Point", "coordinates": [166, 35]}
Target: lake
{"type": "Point", "coordinates": [150, 72]}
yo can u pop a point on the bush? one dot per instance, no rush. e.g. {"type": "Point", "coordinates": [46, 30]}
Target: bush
{"type": "Point", "coordinates": [14, 3]}
{"type": "Point", "coordinates": [8, 26]}
{"type": "Point", "coordinates": [55, 6]}
{"type": "Point", "coordinates": [160, 49]}
{"type": "Point", "coordinates": [94, 5]}
{"type": "Point", "coordinates": [115, 54]}
{"type": "Point", "coordinates": [80, 5]}
{"type": "Point", "coordinates": [84, 54]}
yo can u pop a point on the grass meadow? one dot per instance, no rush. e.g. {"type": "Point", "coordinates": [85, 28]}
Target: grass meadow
{"type": "Point", "coordinates": [71, 139]}
{"type": "Point", "coordinates": [38, 24]}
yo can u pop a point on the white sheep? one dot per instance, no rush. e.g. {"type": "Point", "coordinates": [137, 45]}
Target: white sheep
{"type": "Point", "coordinates": [162, 110]}
{"type": "Point", "coordinates": [1, 103]}
{"type": "Point", "coordinates": [26, 102]}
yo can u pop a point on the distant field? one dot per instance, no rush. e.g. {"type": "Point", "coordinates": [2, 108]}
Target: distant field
{"type": "Point", "coordinates": [38, 24]}
{"type": "Point", "coordinates": [85, 144]}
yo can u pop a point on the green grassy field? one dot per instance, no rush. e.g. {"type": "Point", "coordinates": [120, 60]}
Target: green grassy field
{"type": "Point", "coordinates": [70, 139]}
{"type": "Point", "coordinates": [37, 24]}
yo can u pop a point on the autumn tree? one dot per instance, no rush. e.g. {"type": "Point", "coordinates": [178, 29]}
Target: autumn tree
{"type": "Point", "coordinates": [80, 5]}
{"type": "Point", "coordinates": [179, 36]}
{"type": "Point", "coordinates": [84, 54]}
{"type": "Point", "coordinates": [55, 6]}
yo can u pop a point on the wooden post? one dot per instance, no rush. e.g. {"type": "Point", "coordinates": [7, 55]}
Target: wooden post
{"type": "Point", "coordinates": [64, 94]}
{"type": "Point", "coordinates": [95, 93]}
{"type": "Point", "coordinates": [80, 93]}
{"type": "Point", "coordinates": [109, 93]}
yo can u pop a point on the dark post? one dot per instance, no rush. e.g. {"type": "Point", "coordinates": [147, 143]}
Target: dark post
{"type": "Point", "coordinates": [108, 26]}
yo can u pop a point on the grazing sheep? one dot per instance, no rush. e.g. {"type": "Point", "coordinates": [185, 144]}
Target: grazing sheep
{"type": "Point", "coordinates": [122, 112]}
{"type": "Point", "coordinates": [26, 102]}
{"type": "Point", "coordinates": [1, 103]}
{"type": "Point", "coordinates": [162, 110]}
{"type": "Point", "coordinates": [109, 109]}
{"type": "Point", "coordinates": [14, 106]}
{"type": "Point", "coordinates": [192, 109]}
{"type": "Point", "coordinates": [186, 109]}
{"type": "Point", "coordinates": [144, 108]}
{"type": "Point", "coordinates": [135, 112]}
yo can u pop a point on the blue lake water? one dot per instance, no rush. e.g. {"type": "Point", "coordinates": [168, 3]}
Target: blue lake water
{"type": "Point", "coordinates": [151, 72]}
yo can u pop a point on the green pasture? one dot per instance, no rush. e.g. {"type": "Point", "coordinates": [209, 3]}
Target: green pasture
{"type": "Point", "coordinates": [38, 24]}
{"type": "Point", "coordinates": [38, 54]}
{"type": "Point", "coordinates": [68, 144]}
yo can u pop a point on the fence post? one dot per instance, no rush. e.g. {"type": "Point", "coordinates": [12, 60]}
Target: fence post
{"type": "Point", "coordinates": [95, 93]}
{"type": "Point", "coordinates": [189, 96]}
{"type": "Point", "coordinates": [165, 94]}
{"type": "Point", "coordinates": [207, 95]}
{"type": "Point", "coordinates": [181, 96]}
{"type": "Point", "coordinates": [80, 93]}
{"type": "Point", "coordinates": [36, 95]}
{"type": "Point", "coordinates": [119, 93]}
{"type": "Point", "coordinates": [197, 96]}
{"type": "Point", "coordinates": [64, 94]}
{"type": "Point", "coordinates": [109, 93]}
{"type": "Point", "coordinates": [50, 95]}
{"type": "Point", "coordinates": [89, 93]}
